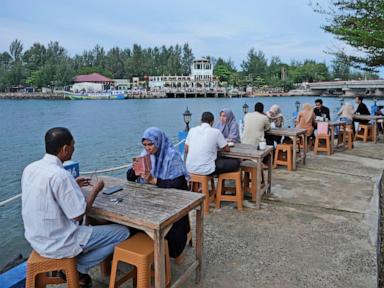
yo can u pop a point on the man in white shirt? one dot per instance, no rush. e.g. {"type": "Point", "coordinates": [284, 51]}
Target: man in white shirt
{"type": "Point", "coordinates": [53, 206]}
{"type": "Point", "coordinates": [201, 147]}
{"type": "Point", "coordinates": [255, 124]}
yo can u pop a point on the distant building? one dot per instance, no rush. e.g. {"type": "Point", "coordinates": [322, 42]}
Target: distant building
{"type": "Point", "coordinates": [93, 82]}
{"type": "Point", "coordinates": [93, 78]}
{"type": "Point", "coordinates": [122, 84]}
{"type": "Point", "coordinates": [201, 76]}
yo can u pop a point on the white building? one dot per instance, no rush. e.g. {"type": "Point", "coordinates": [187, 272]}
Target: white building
{"type": "Point", "coordinates": [201, 76]}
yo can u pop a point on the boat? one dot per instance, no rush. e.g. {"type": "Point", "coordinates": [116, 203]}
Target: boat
{"type": "Point", "coordinates": [108, 95]}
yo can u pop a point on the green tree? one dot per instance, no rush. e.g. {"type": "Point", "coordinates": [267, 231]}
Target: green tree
{"type": "Point", "coordinates": [255, 65]}
{"type": "Point", "coordinates": [341, 69]}
{"type": "Point", "coordinates": [186, 60]}
{"type": "Point", "coordinates": [223, 70]}
{"type": "Point", "coordinates": [115, 62]}
{"type": "Point", "coordinates": [16, 49]}
{"type": "Point", "coordinates": [359, 23]}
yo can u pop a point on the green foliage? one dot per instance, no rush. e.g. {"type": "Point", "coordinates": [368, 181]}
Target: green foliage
{"type": "Point", "coordinates": [224, 70]}
{"type": "Point", "coordinates": [50, 65]}
{"type": "Point", "coordinates": [359, 23]}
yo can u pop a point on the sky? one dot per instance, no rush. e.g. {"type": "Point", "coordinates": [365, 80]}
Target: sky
{"type": "Point", "coordinates": [289, 29]}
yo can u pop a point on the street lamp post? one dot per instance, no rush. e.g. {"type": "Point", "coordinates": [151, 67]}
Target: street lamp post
{"type": "Point", "coordinates": [187, 115]}
{"type": "Point", "coordinates": [297, 104]}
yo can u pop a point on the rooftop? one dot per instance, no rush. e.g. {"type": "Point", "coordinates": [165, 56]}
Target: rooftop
{"type": "Point", "coordinates": [93, 77]}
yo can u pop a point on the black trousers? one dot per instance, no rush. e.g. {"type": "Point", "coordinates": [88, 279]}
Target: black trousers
{"type": "Point", "coordinates": [224, 165]}
{"type": "Point", "coordinates": [358, 121]}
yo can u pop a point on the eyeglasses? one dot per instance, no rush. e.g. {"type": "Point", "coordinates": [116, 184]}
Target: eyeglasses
{"type": "Point", "coordinates": [148, 144]}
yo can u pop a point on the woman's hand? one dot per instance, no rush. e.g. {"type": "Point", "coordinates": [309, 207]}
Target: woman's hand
{"type": "Point", "coordinates": [135, 165]}
{"type": "Point", "coordinates": [149, 178]}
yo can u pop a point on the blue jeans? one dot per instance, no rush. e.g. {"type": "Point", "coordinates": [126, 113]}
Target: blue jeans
{"type": "Point", "coordinates": [347, 120]}
{"type": "Point", "coordinates": [100, 245]}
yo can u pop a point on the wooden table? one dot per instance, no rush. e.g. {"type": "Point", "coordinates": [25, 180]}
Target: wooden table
{"type": "Point", "coordinates": [332, 126]}
{"type": "Point", "coordinates": [153, 210]}
{"type": "Point", "coordinates": [294, 133]}
{"type": "Point", "coordinates": [250, 152]}
{"type": "Point", "coordinates": [372, 118]}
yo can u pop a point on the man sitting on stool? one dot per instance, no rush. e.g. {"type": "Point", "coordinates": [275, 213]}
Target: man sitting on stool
{"type": "Point", "coordinates": [53, 207]}
{"type": "Point", "coordinates": [201, 147]}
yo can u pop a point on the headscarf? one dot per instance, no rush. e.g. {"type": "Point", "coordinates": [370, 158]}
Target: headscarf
{"type": "Point", "coordinates": [308, 112]}
{"type": "Point", "coordinates": [167, 162]}
{"type": "Point", "coordinates": [347, 110]}
{"type": "Point", "coordinates": [275, 110]}
{"type": "Point", "coordinates": [230, 128]}
{"type": "Point", "coordinates": [274, 114]}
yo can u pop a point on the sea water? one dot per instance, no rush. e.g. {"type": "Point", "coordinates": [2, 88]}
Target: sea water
{"type": "Point", "coordinates": [107, 134]}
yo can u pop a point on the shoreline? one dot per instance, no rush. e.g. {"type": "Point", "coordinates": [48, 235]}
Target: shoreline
{"type": "Point", "coordinates": [62, 96]}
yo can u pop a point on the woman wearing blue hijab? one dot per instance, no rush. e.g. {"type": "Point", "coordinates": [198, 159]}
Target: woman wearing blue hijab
{"type": "Point", "coordinates": [228, 126]}
{"type": "Point", "coordinates": [167, 171]}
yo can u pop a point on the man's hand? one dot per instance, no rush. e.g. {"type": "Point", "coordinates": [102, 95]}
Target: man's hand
{"type": "Point", "coordinates": [98, 186]}
{"type": "Point", "coordinates": [83, 181]}
{"type": "Point", "coordinates": [226, 149]}
{"type": "Point", "coordinates": [91, 196]}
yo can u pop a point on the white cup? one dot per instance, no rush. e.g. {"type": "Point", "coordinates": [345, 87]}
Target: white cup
{"type": "Point", "coordinates": [262, 145]}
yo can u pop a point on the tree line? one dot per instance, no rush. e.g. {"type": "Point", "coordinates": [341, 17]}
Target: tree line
{"type": "Point", "coordinates": [51, 66]}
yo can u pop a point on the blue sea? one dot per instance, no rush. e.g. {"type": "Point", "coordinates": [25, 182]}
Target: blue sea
{"type": "Point", "coordinates": [107, 134]}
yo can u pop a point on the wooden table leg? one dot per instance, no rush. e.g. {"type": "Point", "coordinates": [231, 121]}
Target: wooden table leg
{"type": "Point", "coordinates": [332, 129]}
{"type": "Point", "coordinates": [159, 259]}
{"type": "Point", "coordinates": [344, 136]}
{"type": "Point", "coordinates": [305, 140]}
{"type": "Point", "coordinates": [269, 172]}
{"type": "Point", "coordinates": [294, 153]}
{"type": "Point", "coordinates": [199, 242]}
{"type": "Point", "coordinates": [374, 131]}
{"type": "Point", "coordinates": [259, 170]}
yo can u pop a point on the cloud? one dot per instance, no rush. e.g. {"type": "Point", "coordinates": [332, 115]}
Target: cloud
{"type": "Point", "coordinates": [289, 29]}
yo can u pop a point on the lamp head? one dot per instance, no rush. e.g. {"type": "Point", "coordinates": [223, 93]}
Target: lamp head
{"type": "Point", "coordinates": [187, 115]}
{"type": "Point", "coordinates": [245, 108]}
{"type": "Point", "coordinates": [297, 104]}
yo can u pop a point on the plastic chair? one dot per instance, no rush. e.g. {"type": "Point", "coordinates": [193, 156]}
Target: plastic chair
{"type": "Point", "coordinates": [323, 134]}
{"type": "Point", "coordinates": [283, 156]}
{"type": "Point", "coordinates": [138, 251]}
{"type": "Point", "coordinates": [38, 266]}
{"type": "Point", "coordinates": [365, 132]}
{"type": "Point", "coordinates": [346, 137]}
{"type": "Point", "coordinates": [239, 194]}
{"type": "Point", "coordinates": [201, 182]}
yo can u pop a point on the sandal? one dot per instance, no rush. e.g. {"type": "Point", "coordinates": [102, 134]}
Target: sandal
{"type": "Point", "coordinates": [85, 281]}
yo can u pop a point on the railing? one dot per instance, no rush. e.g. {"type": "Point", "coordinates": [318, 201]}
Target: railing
{"type": "Point", "coordinates": [2, 203]}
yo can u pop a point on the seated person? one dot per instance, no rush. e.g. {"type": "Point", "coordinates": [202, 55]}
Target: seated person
{"type": "Point", "coordinates": [320, 110]}
{"type": "Point", "coordinates": [167, 171]}
{"type": "Point", "coordinates": [274, 115]}
{"type": "Point", "coordinates": [362, 109]}
{"type": "Point", "coordinates": [380, 112]}
{"type": "Point", "coordinates": [255, 124]}
{"type": "Point", "coordinates": [53, 207]}
{"type": "Point", "coordinates": [346, 113]}
{"type": "Point", "coordinates": [306, 119]}
{"type": "Point", "coordinates": [228, 126]}
{"type": "Point", "coordinates": [276, 119]}
{"type": "Point", "coordinates": [201, 147]}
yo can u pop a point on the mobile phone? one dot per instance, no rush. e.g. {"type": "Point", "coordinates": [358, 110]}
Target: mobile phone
{"type": "Point", "coordinates": [112, 189]}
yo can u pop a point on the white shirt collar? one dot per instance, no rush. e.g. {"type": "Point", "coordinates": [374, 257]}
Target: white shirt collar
{"type": "Point", "coordinates": [205, 125]}
{"type": "Point", "coordinates": [53, 159]}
